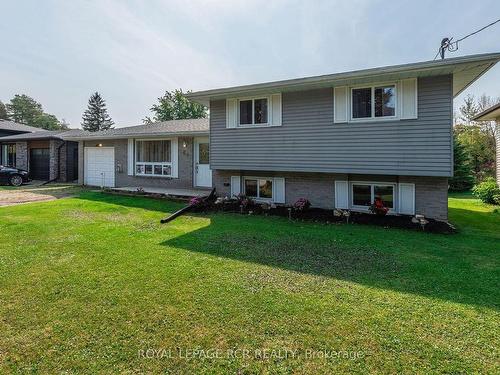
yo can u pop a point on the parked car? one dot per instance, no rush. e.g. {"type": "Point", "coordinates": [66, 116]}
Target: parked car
{"type": "Point", "coordinates": [13, 176]}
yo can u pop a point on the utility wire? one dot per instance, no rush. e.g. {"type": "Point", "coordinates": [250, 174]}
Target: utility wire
{"type": "Point", "coordinates": [447, 44]}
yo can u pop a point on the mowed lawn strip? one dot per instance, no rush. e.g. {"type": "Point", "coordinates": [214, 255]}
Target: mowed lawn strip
{"type": "Point", "coordinates": [91, 283]}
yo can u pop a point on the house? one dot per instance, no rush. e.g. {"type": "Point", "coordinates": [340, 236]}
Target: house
{"type": "Point", "coordinates": [8, 149]}
{"type": "Point", "coordinates": [169, 154]}
{"type": "Point", "coordinates": [493, 114]}
{"type": "Point", "coordinates": [340, 140]}
{"type": "Point", "coordinates": [44, 154]}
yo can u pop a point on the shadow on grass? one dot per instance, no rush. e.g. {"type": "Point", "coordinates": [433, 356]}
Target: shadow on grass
{"type": "Point", "coordinates": [462, 268]}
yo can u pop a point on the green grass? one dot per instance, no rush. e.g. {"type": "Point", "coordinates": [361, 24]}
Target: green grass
{"type": "Point", "coordinates": [88, 283]}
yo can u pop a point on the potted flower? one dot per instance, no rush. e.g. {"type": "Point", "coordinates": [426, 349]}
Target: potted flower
{"type": "Point", "coordinates": [302, 204]}
{"type": "Point", "coordinates": [378, 208]}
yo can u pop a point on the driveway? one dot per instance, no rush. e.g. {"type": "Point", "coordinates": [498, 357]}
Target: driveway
{"type": "Point", "coordinates": [35, 193]}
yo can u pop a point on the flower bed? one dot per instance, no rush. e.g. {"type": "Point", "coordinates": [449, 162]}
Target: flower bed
{"type": "Point", "coordinates": [246, 206]}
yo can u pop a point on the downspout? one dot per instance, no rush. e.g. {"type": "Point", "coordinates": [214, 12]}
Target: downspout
{"type": "Point", "coordinates": [58, 165]}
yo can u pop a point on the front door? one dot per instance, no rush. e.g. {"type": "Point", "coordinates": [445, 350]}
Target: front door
{"type": "Point", "coordinates": [202, 171]}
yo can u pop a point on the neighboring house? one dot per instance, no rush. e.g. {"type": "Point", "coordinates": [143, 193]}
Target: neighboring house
{"type": "Point", "coordinates": [44, 154]}
{"type": "Point", "coordinates": [170, 154]}
{"type": "Point", "coordinates": [341, 140]}
{"type": "Point", "coordinates": [493, 114]}
{"type": "Point", "coordinates": [8, 149]}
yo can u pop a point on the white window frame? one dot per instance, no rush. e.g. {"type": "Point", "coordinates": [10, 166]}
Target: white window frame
{"type": "Point", "coordinates": [394, 185]}
{"type": "Point", "coordinates": [153, 164]}
{"type": "Point", "coordinates": [372, 87]}
{"type": "Point", "coordinates": [253, 124]}
{"type": "Point", "coordinates": [245, 178]}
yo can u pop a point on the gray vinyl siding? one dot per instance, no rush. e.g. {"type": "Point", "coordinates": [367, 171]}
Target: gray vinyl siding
{"type": "Point", "coordinates": [309, 140]}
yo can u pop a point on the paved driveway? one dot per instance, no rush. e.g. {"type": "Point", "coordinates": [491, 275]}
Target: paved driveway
{"type": "Point", "coordinates": [35, 193]}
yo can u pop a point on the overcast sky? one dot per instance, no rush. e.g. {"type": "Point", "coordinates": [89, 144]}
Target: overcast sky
{"type": "Point", "coordinates": [59, 52]}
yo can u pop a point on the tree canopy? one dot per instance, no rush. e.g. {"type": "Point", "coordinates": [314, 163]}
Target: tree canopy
{"type": "Point", "coordinates": [3, 112]}
{"type": "Point", "coordinates": [462, 172]}
{"type": "Point", "coordinates": [96, 115]}
{"type": "Point", "coordinates": [25, 110]}
{"type": "Point", "coordinates": [475, 139]}
{"type": "Point", "coordinates": [174, 105]}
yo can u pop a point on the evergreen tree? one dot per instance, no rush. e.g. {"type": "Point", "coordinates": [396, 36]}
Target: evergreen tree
{"type": "Point", "coordinates": [3, 112]}
{"type": "Point", "coordinates": [462, 170]}
{"type": "Point", "coordinates": [96, 116]}
{"type": "Point", "coordinates": [175, 106]}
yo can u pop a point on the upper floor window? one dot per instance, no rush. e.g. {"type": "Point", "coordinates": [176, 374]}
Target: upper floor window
{"type": "Point", "coordinates": [373, 102]}
{"type": "Point", "coordinates": [253, 111]}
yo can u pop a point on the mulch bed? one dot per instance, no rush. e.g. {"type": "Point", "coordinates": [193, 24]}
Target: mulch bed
{"type": "Point", "coordinates": [327, 216]}
{"type": "Point", "coordinates": [317, 215]}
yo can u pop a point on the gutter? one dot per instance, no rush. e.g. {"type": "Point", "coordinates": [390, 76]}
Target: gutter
{"type": "Point", "coordinates": [137, 135]}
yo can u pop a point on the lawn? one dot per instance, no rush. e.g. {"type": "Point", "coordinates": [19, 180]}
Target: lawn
{"type": "Point", "coordinates": [95, 284]}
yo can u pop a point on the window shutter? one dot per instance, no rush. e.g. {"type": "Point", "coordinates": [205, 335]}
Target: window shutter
{"type": "Point", "coordinates": [231, 113]}
{"type": "Point", "coordinates": [276, 112]}
{"type": "Point", "coordinates": [175, 157]}
{"type": "Point", "coordinates": [235, 185]}
{"type": "Point", "coordinates": [278, 190]}
{"type": "Point", "coordinates": [342, 195]}
{"type": "Point", "coordinates": [407, 199]}
{"type": "Point", "coordinates": [340, 112]}
{"type": "Point", "coordinates": [130, 157]}
{"type": "Point", "coordinates": [409, 107]}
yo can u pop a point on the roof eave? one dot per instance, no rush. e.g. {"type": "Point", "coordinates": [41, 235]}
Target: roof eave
{"type": "Point", "coordinates": [489, 114]}
{"type": "Point", "coordinates": [332, 79]}
{"type": "Point", "coordinates": [138, 135]}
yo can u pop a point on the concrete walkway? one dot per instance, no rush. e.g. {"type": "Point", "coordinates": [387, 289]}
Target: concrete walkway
{"type": "Point", "coordinates": [189, 193]}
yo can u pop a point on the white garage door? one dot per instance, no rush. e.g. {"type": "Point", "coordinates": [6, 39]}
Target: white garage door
{"type": "Point", "coordinates": [100, 166]}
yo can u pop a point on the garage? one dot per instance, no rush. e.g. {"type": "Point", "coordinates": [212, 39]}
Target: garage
{"type": "Point", "coordinates": [99, 166]}
{"type": "Point", "coordinates": [39, 163]}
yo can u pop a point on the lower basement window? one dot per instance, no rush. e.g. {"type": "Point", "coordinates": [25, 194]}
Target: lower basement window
{"type": "Point", "coordinates": [364, 194]}
{"type": "Point", "coordinates": [259, 188]}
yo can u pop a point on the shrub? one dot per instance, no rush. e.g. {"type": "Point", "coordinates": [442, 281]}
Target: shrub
{"type": "Point", "coordinates": [378, 207]}
{"type": "Point", "coordinates": [244, 201]}
{"type": "Point", "coordinates": [195, 201]}
{"type": "Point", "coordinates": [488, 191]}
{"type": "Point", "coordinates": [302, 204]}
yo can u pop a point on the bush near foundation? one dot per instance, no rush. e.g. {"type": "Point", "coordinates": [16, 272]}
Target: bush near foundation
{"type": "Point", "coordinates": [488, 191]}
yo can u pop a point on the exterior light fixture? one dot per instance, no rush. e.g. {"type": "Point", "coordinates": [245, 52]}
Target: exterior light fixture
{"type": "Point", "coordinates": [99, 145]}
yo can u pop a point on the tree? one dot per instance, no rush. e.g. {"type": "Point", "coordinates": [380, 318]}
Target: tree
{"type": "Point", "coordinates": [64, 124]}
{"type": "Point", "coordinates": [3, 112]}
{"type": "Point", "coordinates": [477, 137]}
{"type": "Point", "coordinates": [480, 148]}
{"type": "Point", "coordinates": [462, 172]}
{"type": "Point", "coordinates": [175, 106]}
{"type": "Point", "coordinates": [468, 110]}
{"type": "Point", "coordinates": [96, 116]}
{"type": "Point", "coordinates": [24, 109]}
{"type": "Point", "coordinates": [46, 121]}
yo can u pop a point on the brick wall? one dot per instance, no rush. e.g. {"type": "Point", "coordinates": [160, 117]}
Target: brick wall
{"type": "Point", "coordinates": [431, 193]}
{"type": "Point", "coordinates": [22, 155]}
{"type": "Point", "coordinates": [185, 168]}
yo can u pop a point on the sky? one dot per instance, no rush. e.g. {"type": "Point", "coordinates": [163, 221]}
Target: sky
{"type": "Point", "coordinates": [60, 52]}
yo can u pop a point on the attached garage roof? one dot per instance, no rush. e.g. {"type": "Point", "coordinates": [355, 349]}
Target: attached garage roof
{"type": "Point", "coordinates": [38, 135]}
{"type": "Point", "coordinates": [164, 128]}
{"type": "Point", "coordinates": [465, 70]}
{"type": "Point", "coordinates": [15, 127]}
